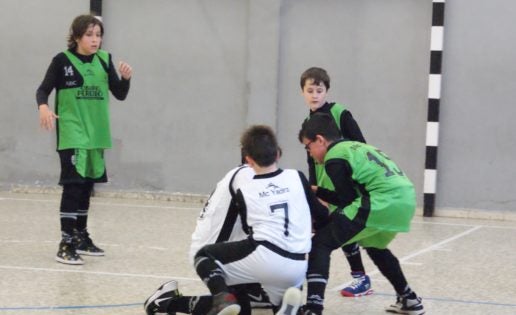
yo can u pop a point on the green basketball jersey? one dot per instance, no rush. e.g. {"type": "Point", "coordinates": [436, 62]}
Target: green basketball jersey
{"type": "Point", "coordinates": [320, 175]}
{"type": "Point", "coordinates": [383, 189]}
{"type": "Point", "coordinates": [83, 108]}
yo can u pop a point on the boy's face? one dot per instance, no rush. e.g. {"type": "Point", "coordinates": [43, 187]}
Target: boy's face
{"type": "Point", "coordinates": [90, 42]}
{"type": "Point", "coordinates": [315, 95]}
{"type": "Point", "coordinates": [317, 148]}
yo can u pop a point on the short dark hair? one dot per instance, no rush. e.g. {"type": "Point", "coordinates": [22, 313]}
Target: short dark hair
{"type": "Point", "coordinates": [319, 124]}
{"type": "Point", "coordinates": [80, 25]}
{"type": "Point", "coordinates": [259, 143]}
{"type": "Point", "coordinates": [318, 75]}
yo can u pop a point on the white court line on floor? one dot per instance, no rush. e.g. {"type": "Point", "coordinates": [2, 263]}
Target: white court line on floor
{"type": "Point", "coordinates": [412, 263]}
{"type": "Point", "coordinates": [98, 273]}
{"type": "Point", "coordinates": [420, 252]}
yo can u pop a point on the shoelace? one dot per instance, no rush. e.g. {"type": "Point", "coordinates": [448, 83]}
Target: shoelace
{"type": "Point", "coordinates": [357, 282]}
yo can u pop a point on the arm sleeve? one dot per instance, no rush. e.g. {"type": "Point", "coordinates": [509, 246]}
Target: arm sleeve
{"type": "Point", "coordinates": [349, 127]}
{"type": "Point", "coordinates": [327, 195]}
{"type": "Point", "coordinates": [318, 211]}
{"type": "Point", "coordinates": [242, 210]}
{"type": "Point", "coordinates": [311, 170]}
{"type": "Point", "coordinates": [48, 84]}
{"type": "Point", "coordinates": [118, 86]}
{"type": "Point", "coordinates": [340, 173]}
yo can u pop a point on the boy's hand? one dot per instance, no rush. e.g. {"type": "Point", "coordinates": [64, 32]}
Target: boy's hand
{"type": "Point", "coordinates": [46, 117]}
{"type": "Point", "coordinates": [125, 70]}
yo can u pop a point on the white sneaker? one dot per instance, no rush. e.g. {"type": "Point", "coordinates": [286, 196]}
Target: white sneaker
{"type": "Point", "coordinates": [406, 306]}
{"type": "Point", "coordinates": [292, 300]}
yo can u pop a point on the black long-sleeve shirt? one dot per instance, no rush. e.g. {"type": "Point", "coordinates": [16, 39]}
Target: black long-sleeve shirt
{"type": "Point", "coordinates": [54, 77]}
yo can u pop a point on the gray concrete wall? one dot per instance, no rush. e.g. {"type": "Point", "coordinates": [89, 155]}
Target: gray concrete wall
{"type": "Point", "coordinates": [31, 33]}
{"type": "Point", "coordinates": [205, 69]}
{"type": "Point", "coordinates": [478, 133]}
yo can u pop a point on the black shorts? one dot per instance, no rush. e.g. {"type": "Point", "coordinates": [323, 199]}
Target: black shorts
{"type": "Point", "coordinates": [70, 173]}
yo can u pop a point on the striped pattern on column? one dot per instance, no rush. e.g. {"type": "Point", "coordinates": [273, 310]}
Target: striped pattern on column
{"type": "Point", "coordinates": [96, 8]}
{"type": "Point", "coordinates": [434, 96]}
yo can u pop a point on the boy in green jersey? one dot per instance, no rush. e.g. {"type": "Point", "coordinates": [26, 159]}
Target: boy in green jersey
{"type": "Point", "coordinates": [315, 83]}
{"type": "Point", "coordinates": [82, 76]}
{"type": "Point", "coordinates": [379, 201]}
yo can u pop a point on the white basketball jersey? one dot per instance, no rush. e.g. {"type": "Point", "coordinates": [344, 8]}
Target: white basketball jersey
{"type": "Point", "coordinates": [213, 215]}
{"type": "Point", "coordinates": [278, 211]}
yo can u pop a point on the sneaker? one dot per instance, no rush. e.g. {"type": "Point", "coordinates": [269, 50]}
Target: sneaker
{"type": "Point", "coordinates": [305, 311]}
{"type": "Point", "coordinates": [84, 244]}
{"type": "Point", "coordinates": [68, 255]}
{"type": "Point", "coordinates": [406, 306]}
{"type": "Point", "coordinates": [291, 302]}
{"type": "Point", "coordinates": [159, 301]}
{"type": "Point", "coordinates": [259, 299]}
{"type": "Point", "coordinates": [224, 303]}
{"type": "Point", "coordinates": [361, 285]}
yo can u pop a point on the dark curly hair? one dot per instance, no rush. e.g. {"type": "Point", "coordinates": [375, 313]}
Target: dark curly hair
{"type": "Point", "coordinates": [79, 26]}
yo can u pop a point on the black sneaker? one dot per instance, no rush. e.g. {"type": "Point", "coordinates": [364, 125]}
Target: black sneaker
{"type": "Point", "coordinates": [84, 245]}
{"type": "Point", "coordinates": [68, 255]}
{"type": "Point", "coordinates": [159, 301]}
{"type": "Point", "coordinates": [224, 303]}
{"type": "Point", "coordinates": [258, 297]}
{"type": "Point", "coordinates": [406, 306]}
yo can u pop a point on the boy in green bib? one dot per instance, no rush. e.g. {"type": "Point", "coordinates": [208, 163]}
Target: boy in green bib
{"type": "Point", "coordinates": [378, 202]}
{"type": "Point", "coordinates": [315, 83]}
{"type": "Point", "coordinates": [82, 76]}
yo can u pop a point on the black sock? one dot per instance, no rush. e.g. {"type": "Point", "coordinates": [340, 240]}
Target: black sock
{"type": "Point", "coordinates": [211, 275]}
{"type": "Point", "coordinates": [196, 305]}
{"type": "Point", "coordinates": [82, 219]}
{"type": "Point", "coordinates": [390, 267]}
{"type": "Point", "coordinates": [83, 205]}
{"type": "Point", "coordinates": [316, 285]}
{"type": "Point", "coordinates": [352, 252]}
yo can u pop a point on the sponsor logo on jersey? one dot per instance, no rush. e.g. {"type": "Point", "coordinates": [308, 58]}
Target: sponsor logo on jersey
{"type": "Point", "coordinates": [90, 92]}
{"type": "Point", "coordinates": [273, 190]}
{"type": "Point", "coordinates": [89, 73]}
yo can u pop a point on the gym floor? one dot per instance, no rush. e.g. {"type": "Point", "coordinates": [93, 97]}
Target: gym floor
{"type": "Point", "coordinates": [458, 266]}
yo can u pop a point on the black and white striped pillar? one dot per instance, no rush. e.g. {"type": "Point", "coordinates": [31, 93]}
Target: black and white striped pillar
{"type": "Point", "coordinates": [434, 96]}
{"type": "Point", "coordinates": [96, 8]}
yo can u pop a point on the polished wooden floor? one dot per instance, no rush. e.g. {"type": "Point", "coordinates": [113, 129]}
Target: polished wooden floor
{"type": "Point", "coordinates": [458, 266]}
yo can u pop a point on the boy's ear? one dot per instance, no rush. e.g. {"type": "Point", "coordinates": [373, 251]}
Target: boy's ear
{"type": "Point", "coordinates": [322, 139]}
{"type": "Point", "coordinates": [249, 160]}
